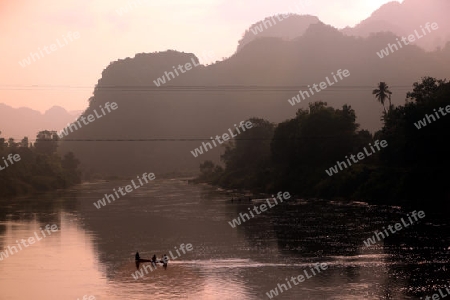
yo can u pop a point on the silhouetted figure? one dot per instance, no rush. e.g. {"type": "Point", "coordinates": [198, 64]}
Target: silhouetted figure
{"type": "Point", "coordinates": [165, 260]}
{"type": "Point", "coordinates": [137, 257]}
{"type": "Point", "coordinates": [154, 260]}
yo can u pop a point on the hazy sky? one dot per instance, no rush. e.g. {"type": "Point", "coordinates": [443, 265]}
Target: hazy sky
{"type": "Point", "coordinates": [107, 34]}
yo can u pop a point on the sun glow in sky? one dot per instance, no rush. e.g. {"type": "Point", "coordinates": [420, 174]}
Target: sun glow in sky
{"type": "Point", "coordinates": [109, 31]}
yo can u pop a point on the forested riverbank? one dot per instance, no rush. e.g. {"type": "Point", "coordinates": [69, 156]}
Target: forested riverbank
{"type": "Point", "coordinates": [35, 167]}
{"type": "Point", "coordinates": [314, 154]}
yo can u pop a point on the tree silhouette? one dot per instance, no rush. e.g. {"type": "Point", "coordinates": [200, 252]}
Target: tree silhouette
{"type": "Point", "coordinates": [427, 91]}
{"type": "Point", "coordinates": [2, 143]}
{"type": "Point", "coordinates": [381, 93]}
{"type": "Point", "coordinates": [46, 142]}
{"type": "Point", "coordinates": [24, 143]}
{"type": "Point", "coordinates": [11, 143]}
{"type": "Point", "coordinates": [40, 167]}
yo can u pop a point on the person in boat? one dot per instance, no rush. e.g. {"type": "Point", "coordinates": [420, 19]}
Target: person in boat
{"type": "Point", "coordinates": [154, 260]}
{"type": "Point", "coordinates": [137, 257]}
{"type": "Point", "coordinates": [165, 259]}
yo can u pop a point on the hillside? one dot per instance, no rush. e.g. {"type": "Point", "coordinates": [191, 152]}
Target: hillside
{"type": "Point", "coordinates": [146, 111]}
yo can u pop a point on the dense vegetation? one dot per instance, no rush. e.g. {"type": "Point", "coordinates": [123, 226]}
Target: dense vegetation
{"type": "Point", "coordinates": [39, 169]}
{"type": "Point", "coordinates": [295, 154]}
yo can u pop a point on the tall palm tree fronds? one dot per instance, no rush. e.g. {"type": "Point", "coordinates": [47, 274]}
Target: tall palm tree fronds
{"type": "Point", "coordinates": [381, 93]}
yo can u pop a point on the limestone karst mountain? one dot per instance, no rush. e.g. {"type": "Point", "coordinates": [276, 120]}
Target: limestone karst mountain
{"type": "Point", "coordinates": [255, 82]}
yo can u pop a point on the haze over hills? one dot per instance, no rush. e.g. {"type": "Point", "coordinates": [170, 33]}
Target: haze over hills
{"type": "Point", "coordinates": [399, 18]}
{"type": "Point", "coordinates": [404, 18]}
{"type": "Point", "coordinates": [286, 27]}
{"type": "Point", "coordinates": [274, 60]}
{"type": "Point", "coordinates": [20, 122]}
{"type": "Point", "coordinates": [148, 112]}
{"type": "Point", "coordinates": [247, 134]}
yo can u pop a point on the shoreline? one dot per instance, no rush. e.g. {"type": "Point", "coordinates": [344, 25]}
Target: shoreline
{"type": "Point", "coordinates": [244, 194]}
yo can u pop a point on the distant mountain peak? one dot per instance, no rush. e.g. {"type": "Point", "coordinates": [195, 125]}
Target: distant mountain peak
{"type": "Point", "coordinates": [404, 18]}
{"type": "Point", "coordinates": [284, 26]}
{"type": "Point", "coordinates": [55, 110]}
{"type": "Point", "coordinates": [24, 121]}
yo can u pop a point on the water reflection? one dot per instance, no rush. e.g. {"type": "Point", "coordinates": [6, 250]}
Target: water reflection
{"type": "Point", "coordinates": [60, 266]}
{"type": "Point", "coordinates": [93, 254]}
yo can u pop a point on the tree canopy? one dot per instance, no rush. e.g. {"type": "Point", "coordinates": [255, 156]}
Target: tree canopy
{"type": "Point", "coordinates": [293, 154]}
{"type": "Point", "coordinates": [40, 168]}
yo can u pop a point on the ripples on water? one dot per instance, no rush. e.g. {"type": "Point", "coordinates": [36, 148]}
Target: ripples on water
{"type": "Point", "coordinates": [93, 252]}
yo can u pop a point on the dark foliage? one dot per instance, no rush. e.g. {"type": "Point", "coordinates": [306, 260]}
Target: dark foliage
{"type": "Point", "coordinates": [39, 169]}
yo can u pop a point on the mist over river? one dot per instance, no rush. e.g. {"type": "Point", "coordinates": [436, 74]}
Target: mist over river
{"type": "Point", "coordinates": [92, 252]}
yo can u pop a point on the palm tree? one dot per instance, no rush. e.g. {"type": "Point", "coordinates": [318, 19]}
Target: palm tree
{"type": "Point", "coordinates": [381, 93]}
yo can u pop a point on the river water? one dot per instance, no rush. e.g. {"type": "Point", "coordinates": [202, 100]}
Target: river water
{"type": "Point", "coordinates": [92, 253]}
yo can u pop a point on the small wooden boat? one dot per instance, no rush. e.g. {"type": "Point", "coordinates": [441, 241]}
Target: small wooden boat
{"type": "Point", "coordinates": [143, 260]}
{"type": "Point", "coordinates": [148, 260]}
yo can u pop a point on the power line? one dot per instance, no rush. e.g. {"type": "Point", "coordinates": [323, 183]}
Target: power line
{"type": "Point", "coordinates": [186, 139]}
{"type": "Point", "coordinates": [198, 139]}
{"type": "Point", "coordinates": [200, 88]}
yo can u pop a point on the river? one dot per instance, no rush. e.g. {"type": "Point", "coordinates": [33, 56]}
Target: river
{"type": "Point", "coordinates": [92, 252]}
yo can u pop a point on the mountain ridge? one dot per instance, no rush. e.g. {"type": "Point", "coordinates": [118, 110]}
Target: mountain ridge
{"type": "Point", "coordinates": [232, 90]}
{"type": "Point", "coordinates": [26, 122]}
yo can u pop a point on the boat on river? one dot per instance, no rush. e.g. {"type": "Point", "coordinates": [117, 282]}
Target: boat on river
{"type": "Point", "coordinates": [143, 260]}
